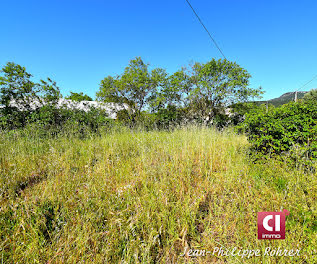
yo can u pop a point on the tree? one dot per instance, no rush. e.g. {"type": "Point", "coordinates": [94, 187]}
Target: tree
{"type": "Point", "coordinates": [311, 96]}
{"type": "Point", "coordinates": [50, 93]}
{"type": "Point", "coordinates": [20, 97]}
{"type": "Point", "coordinates": [78, 97]}
{"type": "Point", "coordinates": [16, 86]}
{"type": "Point", "coordinates": [208, 88]}
{"type": "Point", "coordinates": [136, 88]}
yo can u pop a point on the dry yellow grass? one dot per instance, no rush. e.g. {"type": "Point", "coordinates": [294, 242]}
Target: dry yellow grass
{"type": "Point", "coordinates": [142, 197]}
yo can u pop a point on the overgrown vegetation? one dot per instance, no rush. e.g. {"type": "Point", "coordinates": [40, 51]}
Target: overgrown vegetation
{"type": "Point", "coordinates": [151, 98]}
{"type": "Point", "coordinates": [142, 197]}
{"type": "Point", "coordinates": [25, 103]}
{"type": "Point", "coordinates": [78, 97]}
{"type": "Point", "coordinates": [290, 131]}
{"type": "Point", "coordinates": [200, 92]}
{"type": "Point", "coordinates": [167, 174]}
{"type": "Point", "coordinates": [311, 96]}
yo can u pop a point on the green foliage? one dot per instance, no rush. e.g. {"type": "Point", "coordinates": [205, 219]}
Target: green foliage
{"type": "Point", "coordinates": [78, 97]}
{"type": "Point", "coordinates": [208, 88]}
{"type": "Point", "coordinates": [54, 120]}
{"type": "Point", "coordinates": [135, 88]}
{"type": "Point", "coordinates": [239, 111]}
{"type": "Point", "coordinates": [21, 97]}
{"type": "Point", "coordinates": [171, 116]}
{"type": "Point", "coordinates": [311, 96]}
{"type": "Point", "coordinates": [50, 93]}
{"type": "Point", "coordinates": [16, 85]}
{"type": "Point", "coordinates": [144, 96]}
{"type": "Point", "coordinates": [11, 118]}
{"type": "Point", "coordinates": [25, 102]}
{"type": "Point", "coordinates": [201, 93]}
{"type": "Point", "coordinates": [124, 117]}
{"type": "Point", "coordinates": [290, 128]}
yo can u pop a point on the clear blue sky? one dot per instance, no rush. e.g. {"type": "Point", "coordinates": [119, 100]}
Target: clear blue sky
{"type": "Point", "coordinates": [79, 42]}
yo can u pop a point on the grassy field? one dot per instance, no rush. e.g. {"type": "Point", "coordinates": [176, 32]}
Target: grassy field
{"type": "Point", "coordinates": [143, 197]}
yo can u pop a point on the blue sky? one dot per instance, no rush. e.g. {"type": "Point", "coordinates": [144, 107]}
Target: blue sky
{"type": "Point", "coordinates": [79, 42]}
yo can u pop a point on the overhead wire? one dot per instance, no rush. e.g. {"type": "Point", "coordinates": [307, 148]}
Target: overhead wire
{"type": "Point", "coordinates": [219, 49]}
{"type": "Point", "coordinates": [295, 93]}
{"type": "Point", "coordinates": [210, 36]}
{"type": "Point", "coordinates": [306, 83]}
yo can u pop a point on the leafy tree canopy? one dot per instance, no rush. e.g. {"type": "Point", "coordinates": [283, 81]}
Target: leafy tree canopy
{"type": "Point", "coordinates": [78, 97]}
{"type": "Point", "coordinates": [16, 85]}
{"type": "Point", "coordinates": [207, 88]}
{"type": "Point", "coordinates": [311, 96]}
{"type": "Point", "coordinates": [203, 89]}
{"type": "Point", "coordinates": [136, 87]}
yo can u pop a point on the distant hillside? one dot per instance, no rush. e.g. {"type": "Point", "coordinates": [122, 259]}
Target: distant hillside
{"type": "Point", "coordinates": [283, 99]}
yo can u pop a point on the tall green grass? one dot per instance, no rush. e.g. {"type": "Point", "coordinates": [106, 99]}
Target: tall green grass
{"type": "Point", "coordinates": [142, 197]}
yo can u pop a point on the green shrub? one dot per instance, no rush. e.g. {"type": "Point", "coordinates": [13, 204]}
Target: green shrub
{"type": "Point", "coordinates": [49, 120]}
{"type": "Point", "coordinates": [169, 116]}
{"type": "Point", "coordinates": [291, 128]}
{"type": "Point", "coordinates": [12, 118]}
{"type": "Point", "coordinates": [65, 120]}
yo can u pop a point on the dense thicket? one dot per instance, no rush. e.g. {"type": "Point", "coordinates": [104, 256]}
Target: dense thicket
{"type": "Point", "coordinates": [24, 102]}
{"type": "Point", "coordinates": [290, 129]}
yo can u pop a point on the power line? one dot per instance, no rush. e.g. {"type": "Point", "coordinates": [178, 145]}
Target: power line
{"type": "Point", "coordinates": [206, 29]}
{"type": "Point", "coordinates": [295, 99]}
{"type": "Point", "coordinates": [307, 83]}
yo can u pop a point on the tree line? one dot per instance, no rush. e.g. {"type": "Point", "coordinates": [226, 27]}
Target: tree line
{"type": "Point", "coordinates": [213, 93]}
{"type": "Point", "coordinates": [200, 92]}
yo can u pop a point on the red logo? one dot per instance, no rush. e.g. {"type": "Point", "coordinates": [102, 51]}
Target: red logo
{"type": "Point", "coordinates": [271, 225]}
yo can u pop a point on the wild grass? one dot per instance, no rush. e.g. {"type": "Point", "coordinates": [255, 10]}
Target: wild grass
{"type": "Point", "coordinates": [142, 197]}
